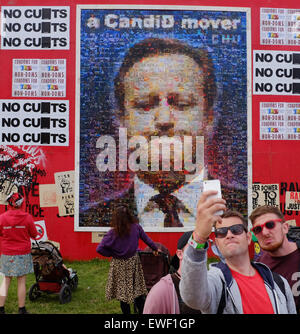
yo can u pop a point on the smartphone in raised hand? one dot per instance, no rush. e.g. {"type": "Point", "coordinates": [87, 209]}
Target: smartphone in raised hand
{"type": "Point", "coordinates": [213, 185]}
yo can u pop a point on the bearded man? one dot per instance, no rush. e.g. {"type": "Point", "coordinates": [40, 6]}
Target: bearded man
{"type": "Point", "coordinates": [279, 254]}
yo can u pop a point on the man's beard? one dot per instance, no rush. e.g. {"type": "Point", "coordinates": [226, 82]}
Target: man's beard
{"type": "Point", "coordinates": [272, 247]}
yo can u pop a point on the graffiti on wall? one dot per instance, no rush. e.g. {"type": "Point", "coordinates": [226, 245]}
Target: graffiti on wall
{"type": "Point", "coordinates": [20, 170]}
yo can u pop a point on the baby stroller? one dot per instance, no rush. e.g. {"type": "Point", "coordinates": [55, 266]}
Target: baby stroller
{"type": "Point", "coordinates": [154, 267]}
{"type": "Point", "coordinates": [51, 274]}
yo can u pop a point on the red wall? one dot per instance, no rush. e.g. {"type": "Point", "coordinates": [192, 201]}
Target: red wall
{"type": "Point", "coordinates": [272, 161]}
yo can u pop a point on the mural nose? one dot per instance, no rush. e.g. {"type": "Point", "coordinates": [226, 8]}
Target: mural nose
{"type": "Point", "coordinates": [164, 122]}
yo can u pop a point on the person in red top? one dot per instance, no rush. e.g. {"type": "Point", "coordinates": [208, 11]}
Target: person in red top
{"type": "Point", "coordinates": [255, 298]}
{"type": "Point", "coordinates": [16, 229]}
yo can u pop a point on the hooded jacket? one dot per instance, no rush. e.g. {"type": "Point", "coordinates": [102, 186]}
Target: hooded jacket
{"type": "Point", "coordinates": [162, 298]}
{"type": "Point", "coordinates": [16, 229]}
{"type": "Point", "coordinates": [202, 289]}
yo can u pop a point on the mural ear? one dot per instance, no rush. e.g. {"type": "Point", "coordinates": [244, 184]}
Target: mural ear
{"type": "Point", "coordinates": [209, 120]}
{"type": "Point", "coordinates": [208, 123]}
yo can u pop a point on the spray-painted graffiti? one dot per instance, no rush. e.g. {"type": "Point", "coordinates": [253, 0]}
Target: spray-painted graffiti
{"type": "Point", "coordinates": [20, 168]}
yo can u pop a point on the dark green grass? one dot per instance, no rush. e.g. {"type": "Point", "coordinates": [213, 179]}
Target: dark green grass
{"type": "Point", "coordinates": [88, 298]}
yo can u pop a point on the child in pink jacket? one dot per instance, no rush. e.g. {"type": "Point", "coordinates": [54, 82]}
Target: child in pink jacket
{"type": "Point", "coordinates": [164, 297]}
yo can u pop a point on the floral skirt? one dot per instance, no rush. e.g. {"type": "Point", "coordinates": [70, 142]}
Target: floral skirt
{"type": "Point", "coordinates": [16, 265]}
{"type": "Point", "coordinates": [125, 280]}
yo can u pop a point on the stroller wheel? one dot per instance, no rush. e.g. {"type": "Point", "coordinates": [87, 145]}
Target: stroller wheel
{"type": "Point", "coordinates": [74, 282]}
{"type": "Point", "coordinates": [65, 294]}
{"type": "Point", "coordinates": [34, 292]}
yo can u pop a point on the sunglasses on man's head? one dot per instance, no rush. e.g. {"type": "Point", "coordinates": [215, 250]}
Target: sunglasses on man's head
{"type": "Point", "coordinates": [234, 229]}
{"type": "Point", "coordinates": [269, 225]}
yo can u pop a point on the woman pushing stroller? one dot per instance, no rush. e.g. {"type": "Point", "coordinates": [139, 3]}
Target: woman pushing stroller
{"type": "Point", "coordinates": [125, 279]}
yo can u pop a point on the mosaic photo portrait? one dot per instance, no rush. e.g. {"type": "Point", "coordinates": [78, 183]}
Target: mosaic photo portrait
{"type": "Point", "coordinates": [163, 105]}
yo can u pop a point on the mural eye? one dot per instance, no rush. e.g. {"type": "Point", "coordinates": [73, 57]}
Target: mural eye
{"type": "Point", "coordinates": [182, 105]}
{"type": "Point", "coordinates": [143, 107]}
{"type": "Point", "coordinates": [178, 102]}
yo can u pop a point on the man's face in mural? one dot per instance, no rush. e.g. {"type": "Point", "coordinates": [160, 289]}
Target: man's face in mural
{"type": "Point", "coordinates": [164, 96]}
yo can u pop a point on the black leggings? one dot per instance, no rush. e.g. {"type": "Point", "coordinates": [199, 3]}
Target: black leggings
{"type": "Point", "coordinates": [139, 303]}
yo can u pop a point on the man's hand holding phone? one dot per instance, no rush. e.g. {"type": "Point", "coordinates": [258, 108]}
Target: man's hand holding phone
{"type": "Point", "coordinates": [210, 206]}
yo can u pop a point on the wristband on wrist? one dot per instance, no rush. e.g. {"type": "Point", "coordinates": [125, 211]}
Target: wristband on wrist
{"type": "Point", "coordinates": [195, 244]}
{"type": "Point", "coordinates": [198, 238]}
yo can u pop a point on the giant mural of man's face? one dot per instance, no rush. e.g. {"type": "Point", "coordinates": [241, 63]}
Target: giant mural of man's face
{"type": "Point", "coordinates": [164, 95]}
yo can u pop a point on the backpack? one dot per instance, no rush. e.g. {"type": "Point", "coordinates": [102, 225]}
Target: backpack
{"type": "Point", "coordinates": [184, 309]}
{"type": "Point", "coordinates": [294, 234]}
